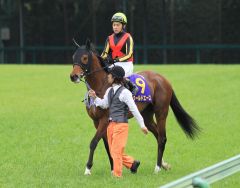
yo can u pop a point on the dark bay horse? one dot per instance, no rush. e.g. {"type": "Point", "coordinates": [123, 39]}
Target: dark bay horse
{"type": "Point", "coordinates": [88, 65]}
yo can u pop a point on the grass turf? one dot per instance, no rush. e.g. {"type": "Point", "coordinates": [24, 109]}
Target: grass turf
{"type": "Point", "coordinates": [45, 131]}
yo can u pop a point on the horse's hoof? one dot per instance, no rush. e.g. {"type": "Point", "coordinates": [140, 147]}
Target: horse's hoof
{"type": "Point", "coordinates": [166, 166]}
{"type": "Point", "coordinates": [87, 172]}
{"type": "Point", "coordinates": [157, 169]}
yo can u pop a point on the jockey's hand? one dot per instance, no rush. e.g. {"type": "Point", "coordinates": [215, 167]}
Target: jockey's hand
{"type": "Point", "coordinates": [106, 62]}
{"type": "Point", "coordinates": [92, 93]}
{"type": "Point", "coordinates": [112, 61]}
{"type": "Point", "coordinates": [144, 130]}
{"type": "Point", "coordinates": [116, 60]}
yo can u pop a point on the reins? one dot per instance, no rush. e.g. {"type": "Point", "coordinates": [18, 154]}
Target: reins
{"type": "Point", "coordinates": [88, 72]}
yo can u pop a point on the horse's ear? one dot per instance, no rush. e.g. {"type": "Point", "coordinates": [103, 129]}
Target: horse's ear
{"type": "Point", "coordinates": [74, 41]}
{"type": "Point", "coordinates": [88, 44]}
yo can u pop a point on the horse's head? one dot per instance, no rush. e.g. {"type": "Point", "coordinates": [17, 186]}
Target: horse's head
{"type": "Point", "coordinates": [82, 62]}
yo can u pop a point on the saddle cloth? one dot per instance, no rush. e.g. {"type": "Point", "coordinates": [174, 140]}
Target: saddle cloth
{"type": "Point", "coordinates": [144, 92]}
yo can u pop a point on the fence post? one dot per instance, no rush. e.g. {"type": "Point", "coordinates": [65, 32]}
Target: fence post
{"type": "Point", "coordinates": [198, 56]}
{"type": "Point", "coordinates": [200, 183]}
{"type": "Point", "coordinates": [1, 52]}
{"type": "Point", "coordinates": [136, 59]}
{"type": "Point", "coordinates": [34, 56]}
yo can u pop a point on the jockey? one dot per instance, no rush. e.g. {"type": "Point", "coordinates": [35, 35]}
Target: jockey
{"type": "Point", "coordinates": [119, 48]}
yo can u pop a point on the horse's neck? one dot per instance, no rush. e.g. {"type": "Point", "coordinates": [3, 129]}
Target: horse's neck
{"type": "Point", "coordinates": [100, 86]}
{"type": "Point", "coordinates": [98, 80]}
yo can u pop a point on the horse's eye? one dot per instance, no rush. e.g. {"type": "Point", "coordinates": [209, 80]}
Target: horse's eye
{"type": "Point", "coordinates": [84, 59]}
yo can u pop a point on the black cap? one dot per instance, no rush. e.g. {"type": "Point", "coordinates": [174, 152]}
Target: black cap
{"type": "Point", "coordinates": [117, 72]}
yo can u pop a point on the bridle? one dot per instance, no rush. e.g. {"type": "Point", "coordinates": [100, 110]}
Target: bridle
{"type": "Point", "coordinates": [87, 67]}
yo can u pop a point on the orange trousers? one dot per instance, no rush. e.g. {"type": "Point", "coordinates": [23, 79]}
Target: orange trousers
{"type": "Point", "coordinates": [117, 134]}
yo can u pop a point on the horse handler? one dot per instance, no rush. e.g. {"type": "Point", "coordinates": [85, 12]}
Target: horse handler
{"type": "Point", "coordinates": [119, 100]}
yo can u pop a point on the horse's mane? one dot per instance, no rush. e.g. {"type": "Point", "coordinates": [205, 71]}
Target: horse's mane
{"type": "Point", "coordinates": [104, 65]}
{"type": "Point", "coordinates": [93, 49]}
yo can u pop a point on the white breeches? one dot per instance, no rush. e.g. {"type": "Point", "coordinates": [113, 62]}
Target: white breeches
{"type": "Point", "coordinates": [127, 66]}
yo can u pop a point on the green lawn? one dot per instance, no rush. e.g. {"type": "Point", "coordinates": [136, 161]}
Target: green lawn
{"type": "Point", "coordinates": [45, 131]}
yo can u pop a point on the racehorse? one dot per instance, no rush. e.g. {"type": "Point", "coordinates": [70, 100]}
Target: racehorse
{"type": "Point", "coordinates": [89, 65]}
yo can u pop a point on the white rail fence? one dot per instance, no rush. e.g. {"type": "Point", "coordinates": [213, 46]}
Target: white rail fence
{"type": "Point", "coordinates": [203, 178]}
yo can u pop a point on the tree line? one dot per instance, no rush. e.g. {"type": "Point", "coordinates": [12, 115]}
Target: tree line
{"type": "Point", "coordinates": [155, 22]}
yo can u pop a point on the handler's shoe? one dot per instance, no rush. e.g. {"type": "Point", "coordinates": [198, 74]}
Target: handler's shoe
{"type": "Point", "coordinates": [135, 166]}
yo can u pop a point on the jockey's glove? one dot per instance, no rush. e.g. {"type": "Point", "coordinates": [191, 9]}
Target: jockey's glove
{"type": "Point", "coordinates": [112, 61]}
{"type": "Point", "coordinates": [116, 60]}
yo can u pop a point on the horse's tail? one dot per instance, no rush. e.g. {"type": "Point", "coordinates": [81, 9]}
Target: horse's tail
{"type": "Point", "coordinates": [187, 123]}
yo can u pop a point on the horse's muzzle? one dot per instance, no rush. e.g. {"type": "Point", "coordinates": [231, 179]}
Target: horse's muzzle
{"type": "Point", "coordinates": [74, 78]}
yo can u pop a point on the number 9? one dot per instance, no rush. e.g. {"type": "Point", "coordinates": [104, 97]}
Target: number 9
{"type": "Point", "coordinates": [140, 83]}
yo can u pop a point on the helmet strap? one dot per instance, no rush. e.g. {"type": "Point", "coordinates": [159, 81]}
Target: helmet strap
{"type": "Point", "coordinates": [124, 27]}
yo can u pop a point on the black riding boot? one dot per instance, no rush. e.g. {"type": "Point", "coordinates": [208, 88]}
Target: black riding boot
{"type": "Point", "coordinates": [131, 86]}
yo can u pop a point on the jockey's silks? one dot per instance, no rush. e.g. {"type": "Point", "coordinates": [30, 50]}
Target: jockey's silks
{"type": "Point", "coordinates": [116, 48]}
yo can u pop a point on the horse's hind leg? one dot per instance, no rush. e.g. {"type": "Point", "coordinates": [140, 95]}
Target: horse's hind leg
{"type": "Point", "coordinates": [152, 126]}
{"type": "Point", "coordinates": [161, 116]}
{"type": "Point", "coordinates": [149, 122]}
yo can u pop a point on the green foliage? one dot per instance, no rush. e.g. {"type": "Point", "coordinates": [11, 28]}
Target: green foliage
{"type": "Point", "coordinates": [45, 131]}
{"type": "Point", "coordinates": [55, 23]}
{"type": "Point", "coordinates": [188, 22]}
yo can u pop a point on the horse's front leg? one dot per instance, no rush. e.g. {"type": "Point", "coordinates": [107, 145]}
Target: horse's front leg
{"type": "Point", "coordinates": [93, 145]}
{"type": "Point", "coordinates": [101, 130]}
